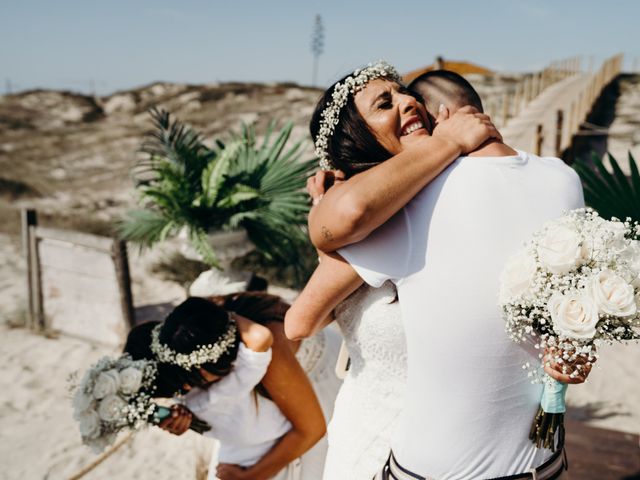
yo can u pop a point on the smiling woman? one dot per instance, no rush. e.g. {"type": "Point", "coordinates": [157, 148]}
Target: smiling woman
{"type": "Point", "coordinates": [392, 113]}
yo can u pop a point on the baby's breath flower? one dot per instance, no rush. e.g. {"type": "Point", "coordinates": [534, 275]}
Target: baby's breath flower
{"type": "Point", "coordinates": [330, 116]}
{"type": "Point", "coordinates": [210, 353]}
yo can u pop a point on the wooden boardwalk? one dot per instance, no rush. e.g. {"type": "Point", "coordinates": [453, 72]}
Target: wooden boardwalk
{"type": "Point", "coordinates": [520, 132]}
{"type": "Point", "coordinates": [600, 454]}
{"type": "Point", "coordinates": [551, 106]}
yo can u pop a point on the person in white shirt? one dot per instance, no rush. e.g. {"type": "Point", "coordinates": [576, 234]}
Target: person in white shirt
{"type": "Point", "coordinates": [247, 381]}
{"type": "Point", "coordinates": [469, 407]}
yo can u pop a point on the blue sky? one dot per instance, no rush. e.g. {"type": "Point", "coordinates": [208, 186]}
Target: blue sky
{"type": "Point", "coordinates": [122, 44]}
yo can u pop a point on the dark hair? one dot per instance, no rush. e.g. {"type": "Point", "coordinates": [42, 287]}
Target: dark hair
{"type": "Point", "coordinates": [352, 148]}
{"type": "Point", "coordinates": [170, 378]}
{"type": "Point", "coordinates": [199, 321]}
{"type": "Point", "coordinates": [445, 86]}
{"type": "Point", "coordinates": [260, 307]}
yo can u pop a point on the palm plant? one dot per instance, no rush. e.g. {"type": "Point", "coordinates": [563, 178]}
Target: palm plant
{"type": "Point", "coordinates": [612, 194]}
{"type": "Point", "coordinates": [240, 184]}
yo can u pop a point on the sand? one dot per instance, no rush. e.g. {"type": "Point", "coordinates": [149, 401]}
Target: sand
{"type": "Point", "coordinates": [38, 437]}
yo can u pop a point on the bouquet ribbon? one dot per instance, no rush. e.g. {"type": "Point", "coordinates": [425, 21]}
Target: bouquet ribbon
{"type": "Point", "coordinates": [553, 396]}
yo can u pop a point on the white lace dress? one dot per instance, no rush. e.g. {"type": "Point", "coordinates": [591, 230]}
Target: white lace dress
{"type": "Point", "coordinates": [317, 356]}
{"type": "Point", "coordinates": [372, 395]}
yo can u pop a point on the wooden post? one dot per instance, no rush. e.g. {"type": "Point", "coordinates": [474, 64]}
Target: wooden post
{"type": "Point", "coordinates": [571, 124]}
{"type": "Point", "coordinates": [582, 107]}
{"type": "Point", "coordinates": [29, 218]}
{"type": "Point", "coordinates": [488, 107]}
{"type": "Point", "coordinates": [539, 139]}
{"type": "Point", "coordinates": [517, 99]}
{"type": "Point", "coordinates": [35, 294]}
{"type": "Point", "coordinates": [124, 280]}
{"type": "Point", "coordinates": [559, 125]}
{"type": "Point", "coordinates": [505, 109]}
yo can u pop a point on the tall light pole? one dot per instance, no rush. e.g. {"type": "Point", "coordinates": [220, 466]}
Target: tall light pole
{"type": "Point", "coordinates": [317, 46]}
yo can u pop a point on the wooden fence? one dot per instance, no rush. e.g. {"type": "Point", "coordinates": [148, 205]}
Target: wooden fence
{"type": "Point", "coordinates": [78, 284]}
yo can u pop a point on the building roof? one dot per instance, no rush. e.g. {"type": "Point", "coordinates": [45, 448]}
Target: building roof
{"type": "Point", "coordinates": [463, 68]}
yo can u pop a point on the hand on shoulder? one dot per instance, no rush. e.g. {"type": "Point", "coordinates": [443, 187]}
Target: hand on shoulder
{"type": "Point", "coordinates": [256, 337]}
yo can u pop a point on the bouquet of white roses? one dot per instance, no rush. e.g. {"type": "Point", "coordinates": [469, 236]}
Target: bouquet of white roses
{"type": "Point", "coordinates": [116, 394]}
{"type": "Point", "coordinates": [575, 284]}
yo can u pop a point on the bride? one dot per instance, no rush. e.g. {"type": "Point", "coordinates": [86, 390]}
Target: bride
{"type": "Point", "coordinates": [371, 398]}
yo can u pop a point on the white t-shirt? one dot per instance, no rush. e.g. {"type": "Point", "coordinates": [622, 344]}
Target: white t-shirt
{"type": "Point", "coordinates": [469, 403]}
{"type": "Point", "coordinates": [247, 425]}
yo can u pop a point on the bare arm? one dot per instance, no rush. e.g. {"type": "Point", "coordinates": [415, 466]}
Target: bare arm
{"type": "Point", "coordinates": [331, 282]}
{"type": "Point", "coordinates": [292, 392]}
{"type": "Point", "coordinates": [351, 210]}
{"type": "Point", "coordinates": [255, 336]}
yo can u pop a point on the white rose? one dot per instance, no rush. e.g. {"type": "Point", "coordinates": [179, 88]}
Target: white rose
{"type": "Point", "coordinates": [89, 424]}
{"type": "Point", "coordinates": [107, 383]}
{"type": "Point", "coordinates": [517, 276]}
{"type": "Point", "coordinates": [612, 294]}
{"type": "Point", "coordinates": [111, 408]}
{"type": "Point", "coordinates": [130, 380]}
{"type": "Point", "coordinates": [99, 444]}
{"type": "Point", "coordinates": [82, 401]}
{"type": "Point", "coordinates": [559, 249]}
{"type": "Point", "coordinates": [574, 315]}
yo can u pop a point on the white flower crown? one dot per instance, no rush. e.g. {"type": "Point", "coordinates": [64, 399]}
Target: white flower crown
{"type": "Point", "coordinates": [341, 91]}
{"type": "Point", "coordinates": [204, 354]}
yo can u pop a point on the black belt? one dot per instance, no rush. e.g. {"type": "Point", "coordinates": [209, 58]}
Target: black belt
{"type": "Point", "coordinates": [549, 470]}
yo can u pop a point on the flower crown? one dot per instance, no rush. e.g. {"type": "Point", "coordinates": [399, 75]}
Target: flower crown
{"type": "Point", "coordinates": [341, 91]}
{"type": "Point", "coordinates": [204, 354]}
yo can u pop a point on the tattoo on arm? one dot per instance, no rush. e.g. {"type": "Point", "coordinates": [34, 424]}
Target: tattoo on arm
{"type": "Point", "coordinates": [326, 233]}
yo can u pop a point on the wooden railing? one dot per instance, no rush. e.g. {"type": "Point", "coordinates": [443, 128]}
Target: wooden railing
{"type": "Point", "coordinates": [528, 88]}
{"type": "Point", "coordinates": [568, 121]}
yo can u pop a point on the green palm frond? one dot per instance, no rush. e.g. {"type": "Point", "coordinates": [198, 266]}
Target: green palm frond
{"type": "Point", "coordinates": [214, 175]}
{"type": "Point", "coordinates": [612, 194]}
{"type": "Point", "coordinates": [234, 184]}
{"type": "Point", "coordinates": [176, 142]}
{"type": "Point", "coordinates": [146, 227]}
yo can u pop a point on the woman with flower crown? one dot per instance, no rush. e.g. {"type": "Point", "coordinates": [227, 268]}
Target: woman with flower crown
{"type": "Point", "coordinates": [382, 137]}
{"type": "Point", "coordinates": [370, 400]}
{"type": "Point", "coordinates": [247, 380]}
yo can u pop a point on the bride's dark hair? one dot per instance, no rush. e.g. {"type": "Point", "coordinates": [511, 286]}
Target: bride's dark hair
{"type": "Point", "coordinates": [353, 147]}
{"type": "Point", "coordinates": [199, 321]}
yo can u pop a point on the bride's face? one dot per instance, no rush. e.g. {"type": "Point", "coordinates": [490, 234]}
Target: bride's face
{"type": "Point", "coordinates": [394, 116]}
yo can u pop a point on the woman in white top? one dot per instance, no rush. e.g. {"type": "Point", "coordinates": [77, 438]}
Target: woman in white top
{"type": "Point", "coordinates": [255, 393]}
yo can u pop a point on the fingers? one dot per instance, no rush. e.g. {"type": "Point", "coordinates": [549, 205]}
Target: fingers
{"type": "Point", "coordinates": [574, 378]}
{"type": "Point", "coordinates": [573, 372]}
{"type": "Point", "coordinates": [322, 181]}
{"type": "Point", "coordinates": [178, 422]}
{"type": "Point", "coordinates": [467, 109]}
{"type": "Point", "coordinates": [315, 184]}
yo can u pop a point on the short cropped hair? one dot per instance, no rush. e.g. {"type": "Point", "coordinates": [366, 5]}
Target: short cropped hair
{"type": "Point", "coordinates": [445, 87]}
